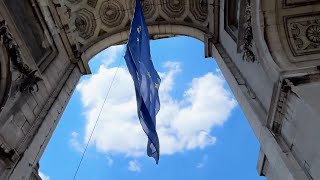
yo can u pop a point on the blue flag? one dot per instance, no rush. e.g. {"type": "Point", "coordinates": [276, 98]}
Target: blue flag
{"type": "Point", "coordinates": [146, 79]}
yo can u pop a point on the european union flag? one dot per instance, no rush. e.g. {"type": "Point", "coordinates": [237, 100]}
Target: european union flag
{"type": "Point", "coordinates": [145, 77]}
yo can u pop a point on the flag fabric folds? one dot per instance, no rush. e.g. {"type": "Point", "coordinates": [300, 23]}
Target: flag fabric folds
{"type": "Point", "coordinates": [145, 77]}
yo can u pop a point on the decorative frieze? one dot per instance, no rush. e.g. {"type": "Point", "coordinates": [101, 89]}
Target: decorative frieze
{"type": "Point", "coordinates": [303, 34]}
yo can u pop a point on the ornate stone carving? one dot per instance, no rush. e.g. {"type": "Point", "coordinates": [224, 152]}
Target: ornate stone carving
{"type": "Point", "coordinates": [303, 34]}
{"type": "Point", "coordinates": [148, 6]}
{"type": "Point", "coordinates": [92, 3]}
{"type": "Point", "coordinates": [248, 55]}
{"type": "Point", "coordinates": [74, 1]}
{"type": "Point", "coordinates": [28, 78]}
{"type": "Point", "coordinates": [112, 13]}
{"type": "Point", "coordinates": [296, 3]}
{"type": "Point", "coordinates": [113, 16]}
{"type": "Point", "coordinates": [276, 125]}
{"type": "Point", "coordinates": [173, 8]}
{"type": "Point", "coordinates": [199, 10]}
{"type": "Point", "coordinates": [313, 33]}
{"type": "Point", "coordinates": [85, 23]}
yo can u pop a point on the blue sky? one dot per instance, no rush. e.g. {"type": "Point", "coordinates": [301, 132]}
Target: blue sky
{"type": "Point", "coordinates": [203, 132]}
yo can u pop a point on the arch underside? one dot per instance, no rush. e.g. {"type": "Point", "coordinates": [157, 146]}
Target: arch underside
{"type": "Point", "coordinates": [98, 24]}
{"type": "Point", "coordinates": [156, 32]}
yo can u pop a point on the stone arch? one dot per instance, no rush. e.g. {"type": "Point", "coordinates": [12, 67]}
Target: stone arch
{"type": "Point", "coordinates": [94, 28]}
{"type": "Point", "coordinates": [280, 48]}
{"type": "Point", "coordinates": [155, 31]}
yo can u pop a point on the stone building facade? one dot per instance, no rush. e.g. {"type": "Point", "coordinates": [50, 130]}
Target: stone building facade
{"type": "Point", "coordinates": [268, 51]}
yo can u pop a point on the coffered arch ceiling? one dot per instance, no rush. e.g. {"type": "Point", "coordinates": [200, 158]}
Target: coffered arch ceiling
{"type": "Point", "coordinates": [92, 21]}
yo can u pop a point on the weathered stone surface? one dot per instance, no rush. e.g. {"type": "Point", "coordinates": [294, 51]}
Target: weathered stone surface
{"type": "Point", "coordinates": [85, 23]}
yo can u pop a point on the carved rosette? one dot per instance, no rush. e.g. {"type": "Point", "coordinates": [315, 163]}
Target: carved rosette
{"type": "Point", "coordinates": [85, 23]}
{"type": "Point", "coordinates": [148, 7]}
{"type": "Point", "coordinates": [173, 8]}
{"type": "Point", "coordinates": [304, 35]}
{"type": "Point", "coordinates": [199, 10]}
{"type": "Point", "coordinates": [313, 33]}
{"type": "Point", "coordinates": [112, 13]}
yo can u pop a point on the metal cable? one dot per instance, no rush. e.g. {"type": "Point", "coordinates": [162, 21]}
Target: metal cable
{"type": "Point", "coordinates": [97, 120]}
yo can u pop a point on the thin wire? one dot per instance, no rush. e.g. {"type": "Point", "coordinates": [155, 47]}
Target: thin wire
{"type": "Point", "coordinates": [98, 118]}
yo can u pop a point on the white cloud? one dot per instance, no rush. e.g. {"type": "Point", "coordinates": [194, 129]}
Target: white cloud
{"type": "Point", "coordinates": [134, 166]}
{"type": "Point", "coordinates": [109, 161]}
{"type": "Point", "coordinates": [203, 162]}
{"type": "Point", "coordinates": [43, 176]}
{"type": "Point", "coordinates": [74, 142]}
{"type": "Point", "coordinates": [109, 55]}
{"type": "Point", "coordinates": [181, 124]}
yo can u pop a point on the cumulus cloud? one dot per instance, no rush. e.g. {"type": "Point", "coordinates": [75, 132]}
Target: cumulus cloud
{"type": "Point", "coordinates": [109, 161]}
{"type": "Point", "coordinates": [74, 142]}
{"type": "Point", "coordinates": [203, 162]}
{"type": "Point", "coordinates": [43, 176]}
{"type": "Point", "coordinates": [134, 166]}
{"type": "Point", "coordinates": [109, 55]}
{"type": "Point", "coordinates": [181, 124]}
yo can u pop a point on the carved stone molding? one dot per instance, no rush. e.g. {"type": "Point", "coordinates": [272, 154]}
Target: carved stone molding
{"type": "Point", "coordinates": [276, 124]}
{"type": "Point", "coordinates": [174, 8]}
{"type": "Point", "coordinates": [297, 3]}
{"type": "Point", "coordinates": [85, 23]}
{"type": "Point", "coordinates": [303, 34]}
{"type": "Point", "coordinates": [74, 1]}
{"type": "Point", "coordinates": [112, 13]}
{"type": "Point", "coordinates": [287, 88]}
{"type": "Point", "coordinates": [27, 79]}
